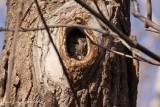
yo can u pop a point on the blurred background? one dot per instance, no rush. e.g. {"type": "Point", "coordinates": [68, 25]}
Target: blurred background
{"type": "Point", "coordinates": [149, 85]}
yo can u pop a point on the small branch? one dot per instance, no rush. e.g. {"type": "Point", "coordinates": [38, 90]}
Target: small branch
{"type": "Point", "coordinates": [149, 12]}
{"type": "Point", "coordinates": [12, 54]}
{"type": "Point", "coordinates": [83, 27]}
{"type": "Point", "coordinates": [60, 59]}
{"type": "Point", "coordinates": [136, 7]}
{"type": "Point", "coordinates": [25, 14]}
{"type": "Point", "coordinates": [147, 21]}
{"type": "Point", "coordinates": [110, 50]}
{"type": "Point", "coordinates": [136, 13]}
{"type": "Point", "coordinates": [120, 33]}
{"type": "Point", "coordinates": [135, 53]}
{"type": "Point", "coordinates": [101, 13]}
{"type": "Point", "coordinates": [147, 29]}
{"type": "Point", "coordinates": [146, 60]}
{"type": "Point", "coordinates": [55, 26]}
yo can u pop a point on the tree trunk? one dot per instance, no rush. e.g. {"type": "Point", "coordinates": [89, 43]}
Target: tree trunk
{"type": "Point", "coordinates": [100, 78]}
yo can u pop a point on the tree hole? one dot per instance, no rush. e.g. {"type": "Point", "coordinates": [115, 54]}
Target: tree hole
{"type": "Point", "coordinates": [76, 44]}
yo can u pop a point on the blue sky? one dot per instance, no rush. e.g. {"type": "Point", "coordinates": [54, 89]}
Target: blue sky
{"type": "Point", "coordinates": [2, 21]}
{"type": "Point", "coordinates": [146, 90]}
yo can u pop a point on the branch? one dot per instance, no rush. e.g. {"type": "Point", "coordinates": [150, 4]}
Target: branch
{"type": "Point", "coordinates": [110, 50]}
{"type": "Point", "coordinates": [25, 14]}
{"type": "Point", "coordinates": [55, 26]}
{"type": "Point", "coordinates": [138, 57]}
{"type": "Point", "coordinates": [90, 28]}
{"type": "Point", "coordinates": [149, 12]}
{"type": "Point", "coordinates": [136, 54]}
{"type": "Point", "coordinates": [12, 54]}
{"type": "Point", "coordinates": [136, 13]}
{"type": "Point", "coordinates": [152, 30]}
{"type": "Point", "coordinates": [120, 33]}
{"type": "Point", "coordinates": [134, 51]}
{"type": "Point", "coordinates": [60, 59]}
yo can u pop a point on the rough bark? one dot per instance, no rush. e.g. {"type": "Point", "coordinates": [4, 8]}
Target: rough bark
{"type": "Point", "coordinates": [100, 78]}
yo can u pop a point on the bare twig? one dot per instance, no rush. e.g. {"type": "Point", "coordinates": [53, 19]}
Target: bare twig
{"type": "Point", "coordinates": [120, 33]}
{"type": "Point", "coordinates": [136, 13]}
{"type": "Point", "coordinates": [136, 55]}
{"type": "Point", "coordinates": [149, 12]}
{"type": "Point", "coordinates": [110, 50]}
{"type": "Point", "coordinates": [152, 30]}
{"type": "Point", "coordinates": [63, 67]}
{"type": "Point", "coordinates": [123, 42]}
{"type": "Point", "coordinates": [56, 26]}
{"type": "Point", "coordinates": [12, 54]}
{"type": "Point", "coordinates": [25, 14]}
{"type": "Point", "coordinates": [82, 27]}
{"type": "Point", "coordinates": [101, 13]}
{"type": "Point", "coordinates": [147, 21]}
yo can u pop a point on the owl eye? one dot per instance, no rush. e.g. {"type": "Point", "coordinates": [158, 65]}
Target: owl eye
{"type": "Point", "coordinates": [76, 43]}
